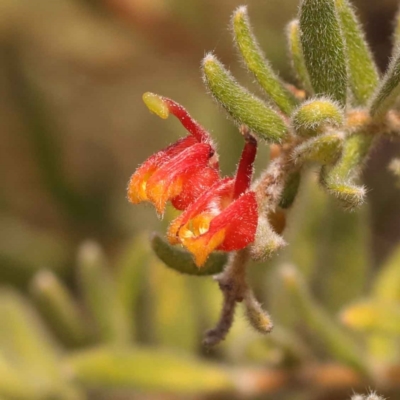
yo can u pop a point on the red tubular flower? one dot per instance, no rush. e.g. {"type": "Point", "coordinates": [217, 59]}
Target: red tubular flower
{"type": "Point", "coordinates": [180, 172]}
{"type": "Point", "coordinates": [224, 217]}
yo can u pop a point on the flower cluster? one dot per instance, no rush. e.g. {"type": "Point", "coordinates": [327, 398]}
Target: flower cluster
{"type": "Point", "coordinates": [218, 213]}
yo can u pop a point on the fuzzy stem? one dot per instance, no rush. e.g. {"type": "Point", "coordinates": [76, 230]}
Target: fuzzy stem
{"type": "Point", "coordinates": [233, 285]}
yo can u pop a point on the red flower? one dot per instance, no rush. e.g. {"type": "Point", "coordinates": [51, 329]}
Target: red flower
{"type": "Point", "coordinates": [224, 217]}
{"type": "Point", "coordinates": [183, 170]}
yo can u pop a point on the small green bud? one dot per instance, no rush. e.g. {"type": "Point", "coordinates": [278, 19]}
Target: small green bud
{"type": "Point", "coordinates": [241, 105]}
{"type": "Point", "coordinates": [323, 149]}
{"type": "Point", "coordinates": [297, 56]}
{"type": "Point", "coordinates": [314, 115]}
{"type": "Point", "coordinates": [255, 61]}
{"type": "Point", "coordinates": [324, 49]}
{"type": "Point", "coordinates": [182, 261]}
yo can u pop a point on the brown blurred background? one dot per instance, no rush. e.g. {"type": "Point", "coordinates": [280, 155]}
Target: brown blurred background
{"type": "Point", "coordinates": [73, 124]}
{"type": "Point", "coordinates": [74, 128]}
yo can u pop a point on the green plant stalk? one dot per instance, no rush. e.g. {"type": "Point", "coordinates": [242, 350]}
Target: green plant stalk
{"type": "Point", "coordinates": [241, 105]}
{"type": "Point", "coordinates": [182, 261]}
{"type": "Point", "coordinates": [256, 62]}
{"type": "Point", "coordinates": [59, 309]}
{"type": "Point", "coordinates": [363, 74]}
{"type": "Point", "coordinates": [297, 56]}
{"type": "Point", "coordinates": [388, 91]}
{"type": "Point", "coordinates": [324, 49]}
{"type": "Point", "coordinates": [337, 343]}
{"type": "Point", "coordinates": [100, 296]}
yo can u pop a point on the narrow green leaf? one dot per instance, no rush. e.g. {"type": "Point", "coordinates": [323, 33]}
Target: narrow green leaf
{"type": "Point", "coordinates": [59, 308]}
{"type": "Point", "coordinates": [290, 190]}
{"type": "Point", "coordinates": [362, 71]}
{"type": "Point", "coordinates": [373, 316]}
{"type": "Point", "coordinates": [343, 260]}
{"type": "Point", "coordinates": [297, 56]}
{"type": "Point", "coordinates": [324, 48]}
{"type": "Point", "coordinates": [240, 104]}
{"type": "Point", "coordinates": [389, 89]}
{"type": "Point", "coordinates": [337, 343]}
{"type": "Point", "coordinates": [182, 261]}
{"type": "Point", "coordinates": [172, 313]}
{"type": "Point", "coordinates": [256, 62]}
{"type": "Point", "coordinates": [131, 265]}
{"type": "Point", "coordinates": [146, 369]}
{"type": "Point", "coordinates": [314, 115]}
{"type": "Point", "coordinates": [100, 295]}
{"type": "Point", "coordinates": [324, 149]}
{"type": "Point", "coordinates": [387, 283]}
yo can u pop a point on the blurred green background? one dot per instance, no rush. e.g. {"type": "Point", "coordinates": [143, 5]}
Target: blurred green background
{"type": "Point", "coordinates": [74, 128]}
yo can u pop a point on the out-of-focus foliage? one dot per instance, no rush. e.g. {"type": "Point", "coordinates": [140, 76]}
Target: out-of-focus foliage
{"type": "Point", "coordinates": [73, 129]}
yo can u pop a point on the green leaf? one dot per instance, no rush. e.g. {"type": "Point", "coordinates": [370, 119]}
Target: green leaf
{"type": "Point", "coordinates": [240, 104]}
{"type": "Point", "coordinates": [256, 62]}
{"type": "Point", "coordinates": [100, 295]}
{"type": "Point", "coordinates": [343, 263]}
{"type": "Point", "coordinates": [146, 369]}
{"type": "Point", "coordinates": [297, 56]}
{"type": "Point", "coordinates": [324, 49]}
{"type": "Point", "coordinates": [336, 342]}
{"type": "Point", "coordinates": [362, 71]}
{"type": "Point", "coordinates": [29, 348]}
{"type": "Point", "coordinates": [314, 115]}
{"type": "Point", "coordinates": [387, 283]}
{"type": "Point", "coordinates": [59, 308]}
{"type": "Point", "coordinates": [373, 316]}
{"type": "Point", "coordinates": [182, 261]}
{"type": "Point", "coordinates": [131, 264]}
{"type": "Point", "coordinates": [324, 149]}
{"type": "Point", "coordinates": [389, 89]}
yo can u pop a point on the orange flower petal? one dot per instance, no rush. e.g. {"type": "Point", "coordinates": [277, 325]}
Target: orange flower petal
{"type": "Point", "coordinates": [167, 182]}
{"type": "Point", "coordinates": [137, 187]}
